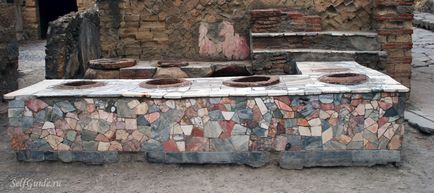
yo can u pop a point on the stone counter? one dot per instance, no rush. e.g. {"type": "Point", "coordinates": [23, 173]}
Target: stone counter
{"type": "Point", "coordinates": [301, 120]}
{"type": "Point", "coordinates": [305, 83]}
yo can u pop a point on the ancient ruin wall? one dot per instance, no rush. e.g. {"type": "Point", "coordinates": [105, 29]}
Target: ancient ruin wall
{"type": "Point", "coordinates": [72, 41]}
{"type": "Point", "coordinates": [211, 29]}
{"type": "Point", "coordinates": [158, 29]}
{"type": "Point", "coordinates": [31, 16]}
{"type": "Point", "coordinates": [8, 50]}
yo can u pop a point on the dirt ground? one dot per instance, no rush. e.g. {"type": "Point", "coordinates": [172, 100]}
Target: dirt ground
{"type": "Point", "coordinates": [415, 175]}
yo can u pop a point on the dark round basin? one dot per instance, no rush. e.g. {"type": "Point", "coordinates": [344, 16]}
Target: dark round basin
{"type": "Point", "coordinates": [344, 78]}
{"type": "Point", "coordinates": [165, 83]}
{"type": "Point", "coordinates": [80, 85]}
{"type": "Point", "coordinates": [252, 81]}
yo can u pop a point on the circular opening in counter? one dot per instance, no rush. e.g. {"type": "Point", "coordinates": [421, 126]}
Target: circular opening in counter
{"type": "Point", "coordinates": [165, 83]}
{"type": "Point", "coordinates": [80, 85]}
{"type": "Point", "coordinates": [171, 63]}
{"type": "Point", "coordinates": [344, 78]}
{"type": "Point", "coordinates": [252, 81]}
{"type": "Point", "coordinates": [112, 63]}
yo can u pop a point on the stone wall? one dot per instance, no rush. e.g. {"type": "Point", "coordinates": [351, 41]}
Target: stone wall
{"type": "Point", "coordinates": [425, 6]}
{"type": "Point", "coordinates": [30, 20]}
{"type": "Point", "coordinates": [394, 24]}
{"type": "Point", "coordinates": [189, 29]}
{"type": "Point", "coordinates": [72, 41]}
{"type": "Point", "coordinates": [8, 50]}
{"type": "Point", "coordinates": [219, 30]}
{"type": "Point", "coordinates": [85, 4]}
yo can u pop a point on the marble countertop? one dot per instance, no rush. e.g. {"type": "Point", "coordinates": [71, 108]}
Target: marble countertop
{"type": "Point", "coordinates": [306, 83]}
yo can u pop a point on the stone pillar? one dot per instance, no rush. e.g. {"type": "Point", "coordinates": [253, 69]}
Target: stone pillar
{"type": "Point", "coordinates": [19, 21]}
{"type": "Point", "coordinates": [110, 17]}
{"type": "Point", "coordinates": [394, 26]}
{"type": "Point", "coordinates": [72, 41]}
{"type": "Point", "coordinates": [8, 50]}
{"type": "Point", "coordinates": [30, 16]}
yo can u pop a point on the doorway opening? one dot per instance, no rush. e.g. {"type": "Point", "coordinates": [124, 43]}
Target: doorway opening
{"type": "Point", "coordinates": [50, 10]}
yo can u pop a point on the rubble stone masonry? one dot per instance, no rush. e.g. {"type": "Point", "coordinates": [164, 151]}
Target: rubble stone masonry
{"type": "Point", "coordinates": [197, 29]}
{"type": "Point", "coordinates": [72, 41]}
{"type": "Point", "coordinates": [8, 50]}
{"type": "Point", "coordinates": [201, 29]}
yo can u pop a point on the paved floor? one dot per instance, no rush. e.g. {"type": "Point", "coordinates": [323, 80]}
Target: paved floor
{"type": "Point", "coordinates": [422, 96]}
{"type": "Point", "coordinates": [415, 175]}
{"type": "Point", "coordinates": [31, 63]}
{"type": "Point", "coordinates": [424, 20]}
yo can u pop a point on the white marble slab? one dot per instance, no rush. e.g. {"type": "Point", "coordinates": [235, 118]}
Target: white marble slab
{"type": "Point", "coordinates": [305, 84]}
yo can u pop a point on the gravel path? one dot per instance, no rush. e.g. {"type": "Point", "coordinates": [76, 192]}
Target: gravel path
{"type": "Point", "coordinates": [423, 71]}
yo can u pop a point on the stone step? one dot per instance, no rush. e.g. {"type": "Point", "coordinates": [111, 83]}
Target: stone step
{"type": "Point", "coordinates": [282, 61]}
{"type": "Point", "coordinates": [336, 40]}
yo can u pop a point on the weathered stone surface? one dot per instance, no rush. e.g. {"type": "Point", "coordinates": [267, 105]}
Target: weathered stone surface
{"type": "Point", "coordinates": [135, 73]}
{"type": "Point", "coordinates": [36, 105]}
{"type": "Point", "coordinates": [170, 73]}
{"type": "Point", "coordinates": [72, 41]}
{"type": "Point", "coordinates": [422, 122]}
{"type": "Point", "coordinates": [101, 74]}
{"type": "Point", "coordinates": [254, 159]}
{"type": "Point", "coordinates": [213, 129]}
{"type": "Point", "coordinates": [299, 160]}
{"type": "Point", "coordinates": [111, 63]}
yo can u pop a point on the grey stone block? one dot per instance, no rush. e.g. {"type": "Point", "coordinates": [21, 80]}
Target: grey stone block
{"type": "Point", "coordinates": [66, 156]}
{"type": "Point", "coordinates": [253, 159]}
{"type": "Point", "coordinates": [327, 158]}
{"type": "Point", "coordinates": [30, 156]}
{"type": "Point", "coordinates": [375, 157]}
{"type": "Point", "coordinates": [299, 160]}
{"type": "Point", "coordinates": [215, 157]}
{"type": "Point", "coordinates": [16, 104]}
{"type": "Point", "coordinates": [51, 156]}
{"type": "Point", "coordinates": [96, 158]}
{"type": "Point", "coordinates": [155, 156]}
{"type": "Point", "coordinates": [292, 160]}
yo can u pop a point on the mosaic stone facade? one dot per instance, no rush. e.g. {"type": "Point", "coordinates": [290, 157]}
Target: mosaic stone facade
{"type": "Point", "coordinates": [335, 122]}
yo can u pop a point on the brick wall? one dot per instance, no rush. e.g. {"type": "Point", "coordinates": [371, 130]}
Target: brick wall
{"type": "Point", "coordinates": [85, 4]}
{"type": "Point", "coordinates": [394, 25]}
{"type": "Point", "coordinates": [277, 20]}
{"type": "Point", "coordinates": [30, 19]}
{"type": "Point", "coordinates": [8, 50]}
{"type": "Point", "coordinates": [196, 29]}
